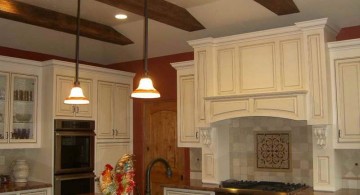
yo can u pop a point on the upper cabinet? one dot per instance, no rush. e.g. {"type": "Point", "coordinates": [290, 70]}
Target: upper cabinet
{"type": "Point", "coordinates": [19, 110]}
{"type": "Point", "coordinates": [188, 135]}
{"type": "Point", "coordinates": [345, 64]}
{"type": "Point", "coordinates": [63, 88]}
{"type": "Point", "coordinates": [113, 110]}
{"type": "Point", "coordinates": [279, 72]}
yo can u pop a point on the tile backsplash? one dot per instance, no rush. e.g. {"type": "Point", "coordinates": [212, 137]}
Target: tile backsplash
{"type": "Point", "coordinates": [350, 168]}
{"type": "Point", "coordinates": [9, 156]}
{"type": "Point", "coordinates": [243, 152]}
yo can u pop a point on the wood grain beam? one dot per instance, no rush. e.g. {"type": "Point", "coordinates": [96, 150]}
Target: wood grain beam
{"type": "Point", "coordinates": [161, 11]}
{"type": "Point", "coordinates": [280, 7]}
{"type": "Point", "coordinates": [30, 14]}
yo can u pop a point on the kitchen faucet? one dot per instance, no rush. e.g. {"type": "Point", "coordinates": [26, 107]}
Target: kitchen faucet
{"type": "Point", "coordinates": [148, 170]}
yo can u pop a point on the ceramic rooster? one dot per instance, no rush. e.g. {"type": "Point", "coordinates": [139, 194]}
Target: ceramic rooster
{"type": "Point", "coordinates": [119, 181]}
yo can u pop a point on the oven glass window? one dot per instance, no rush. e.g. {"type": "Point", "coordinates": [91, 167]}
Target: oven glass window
{"type": "Point", "coordinates": [75, 152]}
{"type": "Point", "coordinates": [77, 186]}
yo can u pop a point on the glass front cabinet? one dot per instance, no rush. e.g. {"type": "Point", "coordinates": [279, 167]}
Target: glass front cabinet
{"type": "Point", "coordinates": [18, 108]}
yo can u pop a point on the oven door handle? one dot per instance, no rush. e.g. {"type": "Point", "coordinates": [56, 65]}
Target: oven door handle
{"type": "Point", "coordinates": [74, 133]}
{"type": "Point", "coordinates": [74, 176]}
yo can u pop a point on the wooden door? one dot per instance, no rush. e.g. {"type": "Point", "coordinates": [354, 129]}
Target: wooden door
{"type": "Point", "coordinates": [160, 141]}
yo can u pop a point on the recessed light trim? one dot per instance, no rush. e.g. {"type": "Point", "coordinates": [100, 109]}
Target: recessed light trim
{"type": "Point", "coordinates": [121, 16]}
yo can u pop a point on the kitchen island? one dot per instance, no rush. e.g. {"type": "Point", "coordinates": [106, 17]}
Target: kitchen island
{"type": "Point", "coordinates": [198, 185]}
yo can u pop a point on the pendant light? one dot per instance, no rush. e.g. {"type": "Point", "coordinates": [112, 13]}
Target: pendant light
{"type": "Point", "coordinates": [76, 95]}
{"type": "Point", "coordinates": [145, 88]}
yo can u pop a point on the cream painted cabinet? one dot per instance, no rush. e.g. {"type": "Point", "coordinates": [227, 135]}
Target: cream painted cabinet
{"type": "Point", "coordinates": [42, 191]}
{"type": "Point", "coordinates": [109, 153]}
{"type": "Point", "coordinates": [20, 114]}
{"type": "Point", "coordinates": [113, 110]}
{"type": "Point", "coordinates": [188, 134]}
{"type": "Point", "coordinates": [63, 87]}
{"type": "Point", "coordinates": [178, 191]}
{"type": "Point", "coordinates": [348, 99]}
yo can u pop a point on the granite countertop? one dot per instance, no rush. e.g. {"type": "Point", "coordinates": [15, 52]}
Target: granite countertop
{"type": "Point", "coordinates": [198, 185]}
{"type": "Point", "coordinates": [30, 185]}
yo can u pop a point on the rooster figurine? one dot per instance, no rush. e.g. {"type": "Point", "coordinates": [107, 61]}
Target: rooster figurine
{"type": "Point", "coordinates": [119, 181]}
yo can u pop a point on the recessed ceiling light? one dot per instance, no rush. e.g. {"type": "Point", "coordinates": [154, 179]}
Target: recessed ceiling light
{"type": "Point", "coordinates": [121, 16]}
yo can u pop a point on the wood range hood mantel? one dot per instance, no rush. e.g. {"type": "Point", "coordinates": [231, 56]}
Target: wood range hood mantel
{"type": "Point", "coordinates": [281, 72]}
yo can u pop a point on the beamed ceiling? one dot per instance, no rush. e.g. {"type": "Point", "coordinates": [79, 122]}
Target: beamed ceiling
{"type": "Point", "coordinates": [48, 26]}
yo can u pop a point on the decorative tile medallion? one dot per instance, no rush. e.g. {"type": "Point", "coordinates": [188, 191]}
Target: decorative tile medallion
{"type": "Point", "coordinates": [273, 150]}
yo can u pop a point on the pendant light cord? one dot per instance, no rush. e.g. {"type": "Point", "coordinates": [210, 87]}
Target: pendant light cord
{"type": "Point", "coordinates": [146, 38]}
{"type": "Point", "coordinates": [77, 45]}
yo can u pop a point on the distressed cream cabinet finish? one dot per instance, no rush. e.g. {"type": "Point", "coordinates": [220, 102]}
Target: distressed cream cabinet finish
{"type": "Point", "coordinates": [42, 191]}
{"type": "Point", "coordinates": [178, 191]}
{"type": "Point", "coordinates": [279, 72]}
{"type": "Point", "coordinates": [25, 75]}
{"type": "Point", "coordinates": [348, 99]}
{"type": "Point", "coordinates": [187, 134]}
{"type": "Point", "coordinates": [109, 153]}
{"type": "Point", "coordinates": [345, 64]}
{"type": "Point", "coordinates": [63, 88]}
{"type": "Point", "coordinates": [113, 110]}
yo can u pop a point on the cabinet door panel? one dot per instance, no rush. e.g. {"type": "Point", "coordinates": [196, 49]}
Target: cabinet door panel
{"type": "Point", "coordinates": [63, 88]}
{"type": "Point", "coordinates": [187, 133]}
{"type": "Point", "coordinates": [23, 108]}
{"type": "Point", "coordinates": [105, 110]}
{"type": "Point", "coordinates": [258, 68]}
{"type": "Point", "coordinates": [121, 111]}
{"type": "Point", "coordinates": [348, 97]}
{"type": "Point", "coordinates": [109, 153]}
{"type": "Point", "coordinates": [4, 99]}
{"type": "Point", "coordinates": [85, 110]}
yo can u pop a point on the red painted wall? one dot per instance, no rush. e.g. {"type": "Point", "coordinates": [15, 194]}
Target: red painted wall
{"type": "Point", "coordinates": [164, 79]}
{"type": "Point", "coordinates": [352, 32]}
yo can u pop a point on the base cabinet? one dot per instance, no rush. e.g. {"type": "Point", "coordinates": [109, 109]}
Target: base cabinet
{"type": "Point", "coordinates": [109, 153]}
{"type": "Point", "coordinates": [42, 191]}
{"type": "Point", "coordinates": [178, 191]}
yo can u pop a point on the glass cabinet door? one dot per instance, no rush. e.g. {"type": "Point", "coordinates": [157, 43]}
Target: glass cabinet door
{"type": "Point", "coordinates": [23, 108]}
{"type": "Point", "coordinates": [4, 99]}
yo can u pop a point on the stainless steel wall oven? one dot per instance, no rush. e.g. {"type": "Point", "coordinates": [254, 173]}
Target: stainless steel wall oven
{"type": "Point", "coordinates": [74, 156]}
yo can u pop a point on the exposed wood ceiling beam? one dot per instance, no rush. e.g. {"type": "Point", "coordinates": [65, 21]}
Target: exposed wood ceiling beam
{"type": "Point", "coordinates": [30, 14]}
{"type": "Point", "coordinates": [280, 7]}
{"type": "Point", "coordinates": [161, 11]}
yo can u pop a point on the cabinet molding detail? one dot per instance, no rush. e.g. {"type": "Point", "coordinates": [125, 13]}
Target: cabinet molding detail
{"type": "Point", "coordinates": [323, 170]}
{"type": "Point", "coordinates": [206, 136]}
{"type": "Point", "coordinates": [226, 71]}
{"type": "Point", "coordinates": [321, 135]}
{"type": "Point", "coordinates": [209, 169]}
{"type": "Point", "coordinates": [291, 64]}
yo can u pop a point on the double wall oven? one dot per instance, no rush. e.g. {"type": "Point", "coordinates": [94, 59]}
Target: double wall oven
{"type": "Point", "coordinates": [74, 156]}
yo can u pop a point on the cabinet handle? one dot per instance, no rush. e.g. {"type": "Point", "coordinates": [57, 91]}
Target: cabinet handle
{"type": "Point", "coordinates": [197, 135]}
{"type": "Point", "coordinates": [339, 133]}
{"type": "Point", "coordinates": [113, 132]}
{"type": "Point", "coordinates": [73, 109]}
{"type": "Point", "coordinates": [116, 132]}
{"type": "Point", "coordinates": [7, 135]}
{"type": "Point", "coordinates": [77, 109]}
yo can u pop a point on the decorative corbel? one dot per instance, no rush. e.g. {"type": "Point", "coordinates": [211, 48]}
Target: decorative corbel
{"type": "Point", "coordinates": [320, 134]}
{"type": "Point", "coordinates": [206, 136]}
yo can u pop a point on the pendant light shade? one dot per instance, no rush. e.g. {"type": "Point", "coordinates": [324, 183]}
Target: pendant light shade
{"type": "Point", "coordinates": [145, 88]}
{"type": "Point", "coordinates": [76, 94]}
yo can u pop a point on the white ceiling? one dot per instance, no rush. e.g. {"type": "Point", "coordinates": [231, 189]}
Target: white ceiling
{"type": "Point", "coordinates": [220, 18]}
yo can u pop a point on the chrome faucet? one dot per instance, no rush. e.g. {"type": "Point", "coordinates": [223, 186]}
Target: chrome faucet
{"type": "Point", "coordinates": [148, 171]}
